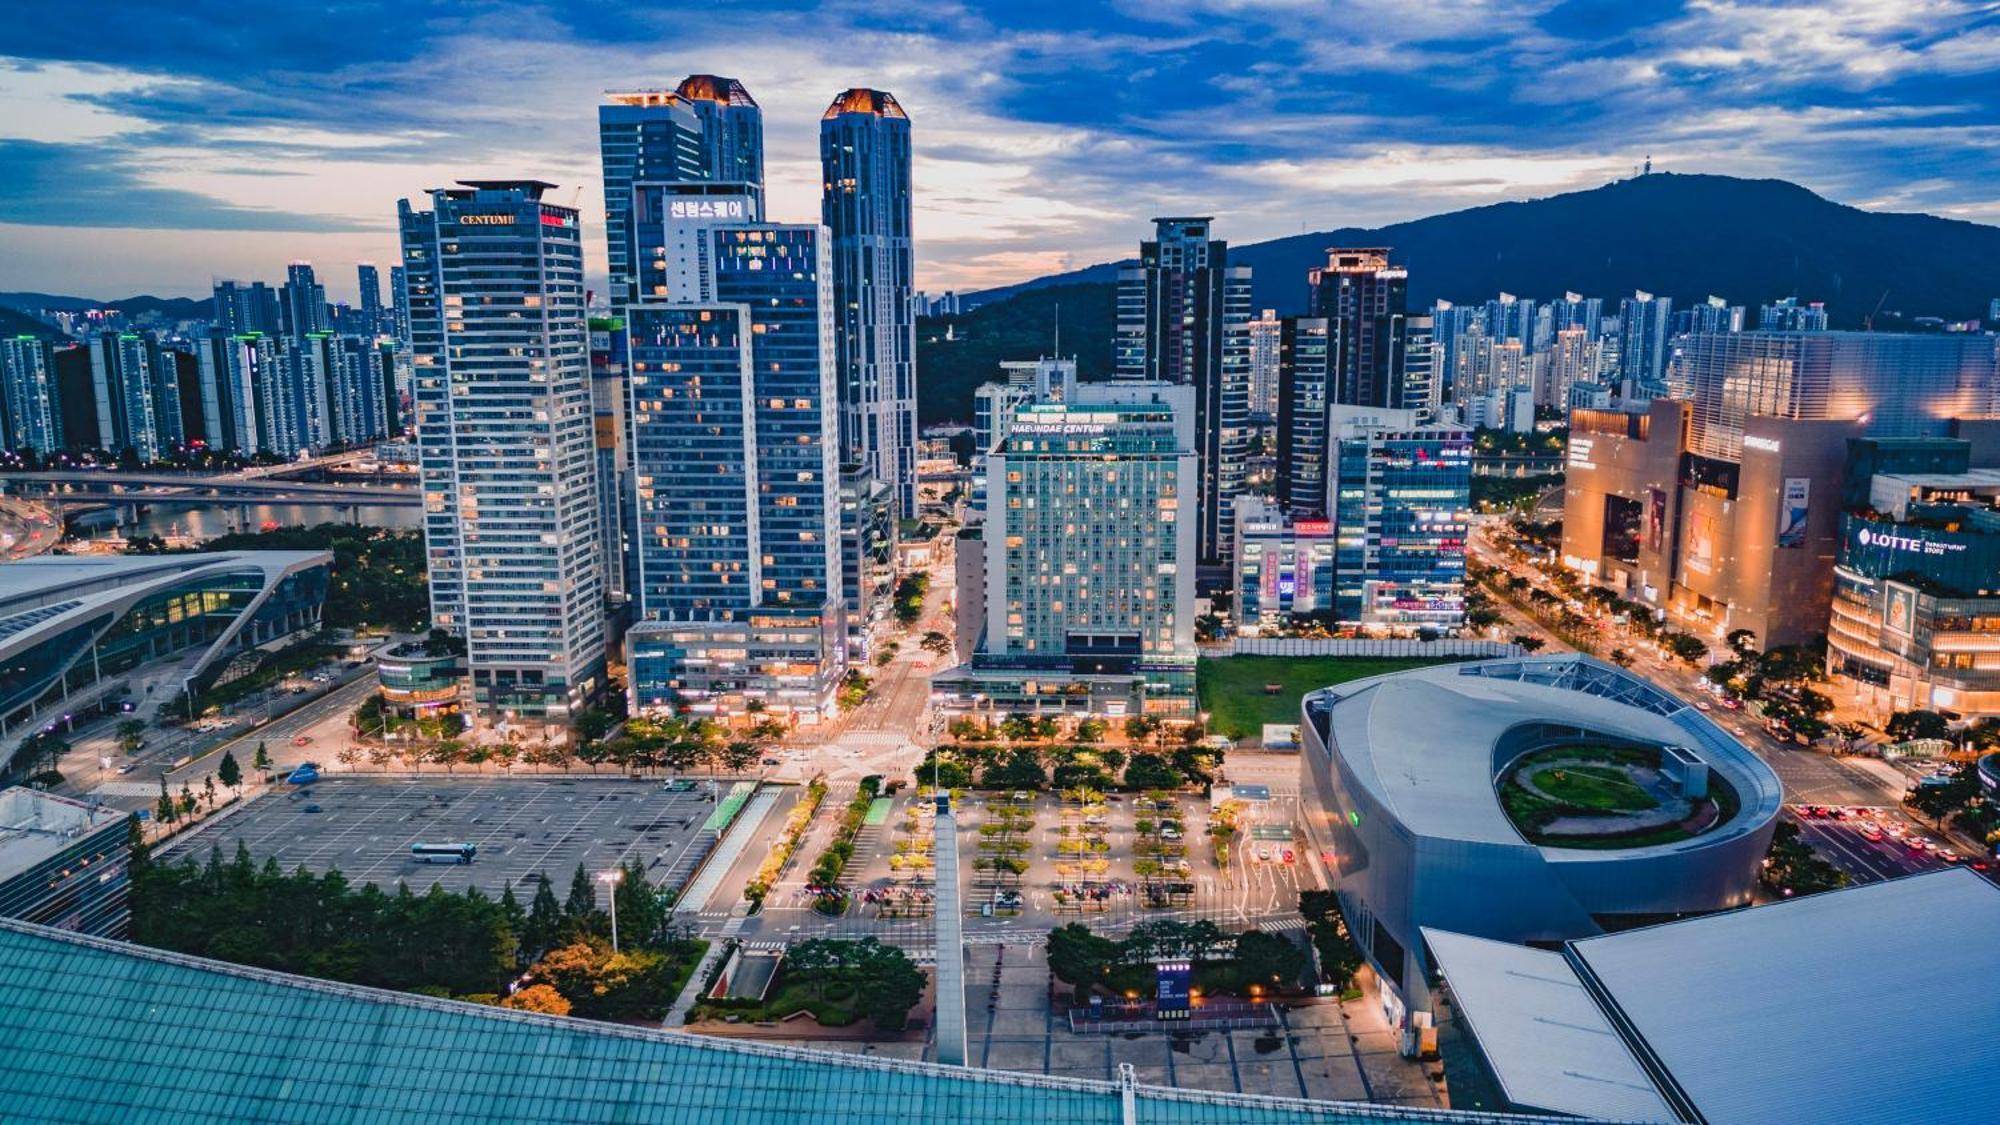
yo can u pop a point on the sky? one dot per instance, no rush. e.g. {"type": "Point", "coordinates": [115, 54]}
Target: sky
{"type": "Point", "coordinates": [166, 145]}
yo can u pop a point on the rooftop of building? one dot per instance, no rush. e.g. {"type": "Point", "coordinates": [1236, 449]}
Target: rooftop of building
{"type": "Point", "coordinates": [100, 1030]}
{"type": "Point", "coordinates": [78, 576]}
{"type": "Point", "coordinates": [880, 103]}
{"type": "Point", "coordinates": [1809, 1010]}
{"type": "Point", "coordinates": [715, 88]}
{"type": "Point", "coordinates": [1548, 1043]}
{"type": "Point", "coordinates": [35, 825]}
{"type": "Point", "coordinates": [1971, 478]}
{"type": "Point", "coordinates": [1424, 741]}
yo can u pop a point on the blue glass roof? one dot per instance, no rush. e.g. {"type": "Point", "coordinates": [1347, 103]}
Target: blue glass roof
{"type": "Point", "coordinates": [96, 1030]}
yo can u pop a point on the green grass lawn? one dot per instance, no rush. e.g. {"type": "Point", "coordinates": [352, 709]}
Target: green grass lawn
{"type": "Point", "coordinates": [1593, 787]}
{"type": "Point", "coordinates": [1231, 689]}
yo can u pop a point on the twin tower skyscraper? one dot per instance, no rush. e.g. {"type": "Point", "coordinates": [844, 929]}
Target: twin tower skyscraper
{"type": "Point", "coordinates": [769, 400]}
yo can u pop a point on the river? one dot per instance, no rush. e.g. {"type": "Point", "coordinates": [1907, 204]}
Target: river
{"type": "Point", "coordinates": [207, 523]}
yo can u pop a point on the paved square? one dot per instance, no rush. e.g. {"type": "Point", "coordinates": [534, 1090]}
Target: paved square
{"type": "Point", "coordinates": [521, 826]}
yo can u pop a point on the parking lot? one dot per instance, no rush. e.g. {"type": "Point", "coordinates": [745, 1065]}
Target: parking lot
{"type": "Point", "coordinates": [521, 827]}
{"type": "Point", "coordinates": [1871, 844]}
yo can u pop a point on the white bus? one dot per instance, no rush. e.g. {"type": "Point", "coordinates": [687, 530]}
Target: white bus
{"type": "Point", "coordinates": [443, 853]}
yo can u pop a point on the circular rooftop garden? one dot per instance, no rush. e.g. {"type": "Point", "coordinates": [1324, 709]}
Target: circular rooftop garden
{"type": "Point", "coordinates": [1604, 795]}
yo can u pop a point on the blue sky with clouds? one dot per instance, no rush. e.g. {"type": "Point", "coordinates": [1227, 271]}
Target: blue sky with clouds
{"type": "Point", "coordinates": [157, 146]}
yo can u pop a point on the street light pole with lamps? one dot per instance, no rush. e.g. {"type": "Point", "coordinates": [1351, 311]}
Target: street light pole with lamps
{"type": "Point", "coordinates": [612, 877]}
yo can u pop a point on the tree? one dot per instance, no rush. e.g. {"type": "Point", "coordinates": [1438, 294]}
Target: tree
{"type": "Point", "coordinates": [1742, 642]}
{"type": "Point", "coordinates": [936, 642]}
{"type": "Point", "coordinates": [1621, 658]}
{"type": "Point", "coordinates": [1792, 867]}
{"type": "Point", "coordinates": [888, 985]}
{"type": "Point", "coordinates": [1267, 960]}
{"type": "Point", "coordinates": [1150, 771]}
{"type": "Point", "coordinates": [1339, 957]}
{"type": "Point", "coordinates": [1938, 800]}
{"type": "Point", "coordinates": [581, 906]}
{"type": "Point", "coordinates": [1529, 642]}
{"type": "Point", "coordinates": [1022, 769]}
{"type": "Point", "coordinates": [263, 759]}
{"type": "Point", "coordinates": [1907, 726]}
{"type": "Point", "coordinates": [1079, 957]}
{"type": "Point", "coordinates": [538, 998]}
{"type": "Point", "coordinates": [228, 771]}
{"type": "Point", "coordinates": [163, 810]}
{"type": "Point", "coordinates": [544, 922]}
{"type": "Point", "coordinates": [131, 734]}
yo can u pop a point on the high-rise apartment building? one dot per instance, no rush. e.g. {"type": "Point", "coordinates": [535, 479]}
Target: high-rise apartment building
{"type": "Point", "coordinates": [227, 370]}
{"type": "Point", "coordinates": [732, 129]}
{"type": "Point", "coordinates": [1363, 299]}
{"type": "Point", "coordinates": [242, 309]}
{"type": "Point", "coordinates": [302, 301]}
{"type": "Point", "coordinates": [1787, 315]}
{"type": "Point", "coordinates": [643, 136]}
{"type": "Point", "coordinates": [739, 588]}
{"type": "Point", "coordinates": [1451, 325]}
{"type": "Point", "coordinates": [1089, 558]}
{"type": "Point", "coordinates": [1645, 322]}
{"type": "Point", "coordinates": [399, 298]}
{"type": "Point", "coordinates": [1266, 340]}
{"type": "Point", "coordinates": [1574, 310]}
{"type": "Point", "coordinates": [864, 147]}
{"type": "Point", "coordinates": [1304, 393]}
{"type": "Point", "coordinates": [373, 323]}
{"type": "Point", "coordinates": [135, 386]}
{"type": "Point", "coordinates": [502, 387]}
{"type": "Point", "coordinates": [1183, 318]}
{"type": "Point", "coordinates": [29, 410]}
{"type": "Point", "coordinates": [1571, 359]}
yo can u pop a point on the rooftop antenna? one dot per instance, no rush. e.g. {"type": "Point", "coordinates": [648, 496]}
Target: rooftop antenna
{"type": "Point", "coordinates": [1649, 164]}
{"type": "Point", "coordinates": [1058, 344]}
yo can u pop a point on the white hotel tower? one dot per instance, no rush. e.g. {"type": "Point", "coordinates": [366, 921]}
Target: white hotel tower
{"type": "Point", "coordinates": [502, 390]}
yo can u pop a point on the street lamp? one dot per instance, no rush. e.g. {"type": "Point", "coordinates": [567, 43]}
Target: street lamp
{"type": "Point", "coordinates": [612, 877]}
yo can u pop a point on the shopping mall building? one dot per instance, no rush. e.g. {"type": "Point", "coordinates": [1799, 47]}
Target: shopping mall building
{"type": "Point", "coordinates": [1724, 505]}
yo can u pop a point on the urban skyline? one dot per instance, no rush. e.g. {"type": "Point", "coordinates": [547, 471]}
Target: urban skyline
{"type": "Point", "coordinates": [1867, 103]}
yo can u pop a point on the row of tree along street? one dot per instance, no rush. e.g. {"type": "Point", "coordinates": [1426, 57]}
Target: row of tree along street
{"type": "Point", "coordinates": [1248, 964]}
{"type": "Point", "coordinates": [1022, 753]}
{"type": "Point", "coordinates": [468, 945]}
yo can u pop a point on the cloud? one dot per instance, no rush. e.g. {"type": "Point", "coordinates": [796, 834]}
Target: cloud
{"type": "Point", "coordinates": [1045, 132]}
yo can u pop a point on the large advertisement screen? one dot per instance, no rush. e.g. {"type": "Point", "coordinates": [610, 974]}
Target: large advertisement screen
{"type": "Point", "coordinates": [1701, 544]}
{"type": "Point", "coordinates": [1173, 990]}
{"type": "Point", "coordinates": [1792, 509]}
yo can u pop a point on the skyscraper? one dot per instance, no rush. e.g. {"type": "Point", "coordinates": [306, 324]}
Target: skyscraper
{"type": "Point", "coordinates": [1644, 321]}
{"type": "Point", "coordinates": [241, 308]}
{"type": "Point", "coordinates": [1184, 318]}
{"type": "Point", "coordinates": [1304, 455]}
{"type": "Point", "coordinates": [228, 367]}
{"type": "Point", "coordinates": [399, 295]}
{"type": "Point", "coordinates": [303, 301]}
{"type": "Point", "coordinates": [1266, 341]}
{"type": "Point", "coordinates": [864, 150]}
{"type": "Point", "coordinates": [31, 415]}
{"type": "Point", "coordinates": [1363, 299]}
{"type": "Point", "coordinates": [739, 580]}
{"type": "Point", "coordinates": [643, 136]}
{"type": "Point", "coordinates": [136, 389]}
{"type": "Point", "coordinates": [732, 129]}
{"type": "Point", "coordinates": [372, 322]}
{"type": "Point", "coordinates": [1787, 315]}
{"type": "Point", "coordinates": [1088, 567]}
{"type": "Point", "coordinates": [1402, 499]}
{"type": "Point", "coordinates": [504, 438]}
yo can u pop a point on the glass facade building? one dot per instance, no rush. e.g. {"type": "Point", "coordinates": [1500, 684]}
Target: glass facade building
{"type": "Point", "coordinates": [1898, 385]}
{"type": "Point", "coordinates": [504, 429]}
{"type": "Point", "coordinates": [864, 147]}
{"type": "Point", "coordinates": [1089, 567]}
{"type": "Point", "coordinates": [1402, 499]}
{"type": "Point", "coordinates": [63, 863]}
{"type": "Point", "coordinates": [1184, 318]}
{"type": "Point", "coordinates": [643, 136]}
{"type": "Point", "coordinates": [28, 407]}
{"type": "Point", "coordinates": [222, 1042]}
{"type": "Point", "coordinates": [739, 585]}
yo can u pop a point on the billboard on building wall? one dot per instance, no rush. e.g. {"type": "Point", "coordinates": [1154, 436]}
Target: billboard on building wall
{"type": "Point", "coordinates": [1701, 544]}
{"type": "Point", "coordinates": [1792, 509]}
{"type": "Point", "coordinates": [1901, 607]}
{"type": "Point", "coordinates": [1656, 520]}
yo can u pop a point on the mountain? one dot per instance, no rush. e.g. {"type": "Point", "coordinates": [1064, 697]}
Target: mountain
{"type": "Point", "coordinates": [167, 308]}
{"type": "Point", "coordinates": [1683, 236]}
{"type": "Point", "coordinates": [1021, 326]}
{"type": "Point", "coordinates": [13, 323]}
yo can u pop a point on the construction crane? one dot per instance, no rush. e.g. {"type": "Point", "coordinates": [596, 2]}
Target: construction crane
{"type": "Point", "coordinates": [1868, 322]}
